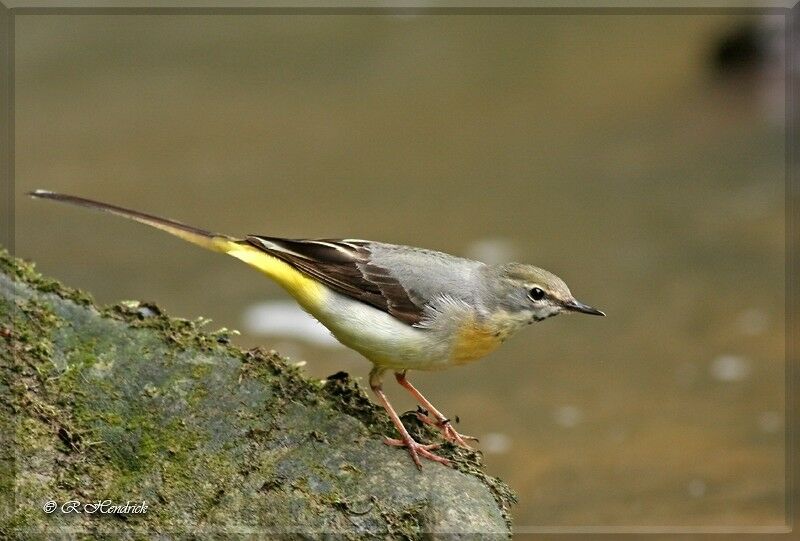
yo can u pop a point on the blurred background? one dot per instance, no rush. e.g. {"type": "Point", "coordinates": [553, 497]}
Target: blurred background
{"type": "Point", "coordinates": [639, 157]}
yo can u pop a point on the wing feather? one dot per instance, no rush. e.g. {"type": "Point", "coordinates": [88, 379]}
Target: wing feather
{"type": "Point", "coordinates": [346, 266]}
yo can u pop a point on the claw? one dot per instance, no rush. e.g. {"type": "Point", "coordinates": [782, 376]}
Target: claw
{"type": "Point", "coordinates": [416, 450]}
{"type": "Point", "coordinates": [448, 432]}
{"type": "Point", "coordinates": [429, 415]}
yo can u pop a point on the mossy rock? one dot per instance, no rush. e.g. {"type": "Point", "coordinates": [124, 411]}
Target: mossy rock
{"type": "Point", "coordinates": [127, 405]}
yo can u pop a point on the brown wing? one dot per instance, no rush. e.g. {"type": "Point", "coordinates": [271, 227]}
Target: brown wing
{"type": "Point", "coordinates": [346, 267]}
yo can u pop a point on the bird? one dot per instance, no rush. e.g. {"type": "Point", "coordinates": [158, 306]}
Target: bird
{"type": "Point", "coordinates": [402, 308]}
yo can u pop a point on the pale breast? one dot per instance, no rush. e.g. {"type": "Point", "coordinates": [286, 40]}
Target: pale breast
{"type": "Point", "coordinates": [453, 335]}
{"type": "Point", "coordinates": [381, 338]}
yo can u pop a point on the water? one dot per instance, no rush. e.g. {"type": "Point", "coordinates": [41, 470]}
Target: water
{"type": "Point", "coordinates": [598, 147]}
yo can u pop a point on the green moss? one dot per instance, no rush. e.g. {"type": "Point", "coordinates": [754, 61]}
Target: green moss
{"type": "Point", "coordinates": [125, 403]}
{"type": "Point", "coordinates": [25, 271]}
{"type": "Point", "coordinates": [405, 523]}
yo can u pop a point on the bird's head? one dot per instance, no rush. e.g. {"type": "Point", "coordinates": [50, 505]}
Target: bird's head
{"type": "Point", "coordinates": [535, 293]}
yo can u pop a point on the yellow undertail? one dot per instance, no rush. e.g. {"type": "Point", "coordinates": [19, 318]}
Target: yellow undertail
{"type": "Point", "coordinates": [306, 291]}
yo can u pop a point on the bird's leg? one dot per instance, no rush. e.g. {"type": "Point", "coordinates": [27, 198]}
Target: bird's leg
{"type": "Point", "coordinates": [441, 422]}
{"type": "Point", "coordinates": [415, 449]}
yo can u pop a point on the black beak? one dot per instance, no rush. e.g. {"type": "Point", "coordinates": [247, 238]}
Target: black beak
{"type": "Point", "coordinates": [577, 306]}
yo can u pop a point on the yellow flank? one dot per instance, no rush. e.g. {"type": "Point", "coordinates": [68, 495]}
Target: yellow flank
{"type": "Point", "coordinates": [306, 291]}
{"type": "Point", "coordinates": [474, 341]}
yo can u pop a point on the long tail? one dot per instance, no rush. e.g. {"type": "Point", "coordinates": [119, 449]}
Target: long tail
{"type": "Point", "coordinates": [306, 290]}
{"type": "Point", "coordinates": [206, 239]}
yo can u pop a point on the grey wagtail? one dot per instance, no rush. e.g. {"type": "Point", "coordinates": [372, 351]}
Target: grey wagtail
{"type": "Point", "coordinates": [402, 308]}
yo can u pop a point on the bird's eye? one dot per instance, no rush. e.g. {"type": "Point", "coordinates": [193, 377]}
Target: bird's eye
{"type": "Point", "coordinates": [536, 294]}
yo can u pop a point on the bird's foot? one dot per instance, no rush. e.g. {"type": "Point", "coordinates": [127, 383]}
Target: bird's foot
{"type": "Point", "coordinates": [416, 449]}
{"type": "Point", "coordinates": [445, 426]}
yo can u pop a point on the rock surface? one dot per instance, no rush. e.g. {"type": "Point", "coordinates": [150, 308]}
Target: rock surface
{"type": "Point", "coordinates": [127, 405]}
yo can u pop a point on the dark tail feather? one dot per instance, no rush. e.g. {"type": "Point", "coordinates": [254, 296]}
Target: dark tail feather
{"type": "Point", "coordinates": [201, 237]}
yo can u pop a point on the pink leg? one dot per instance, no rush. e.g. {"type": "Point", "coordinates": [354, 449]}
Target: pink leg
{"type": "Point", "coordinates": [441, 422]}
{"type": "Point", "coordinates": [415, 449]}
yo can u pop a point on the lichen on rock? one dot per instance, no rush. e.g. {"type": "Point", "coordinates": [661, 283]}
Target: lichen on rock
{"type": "Point", "coordinates": [126, 404]}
